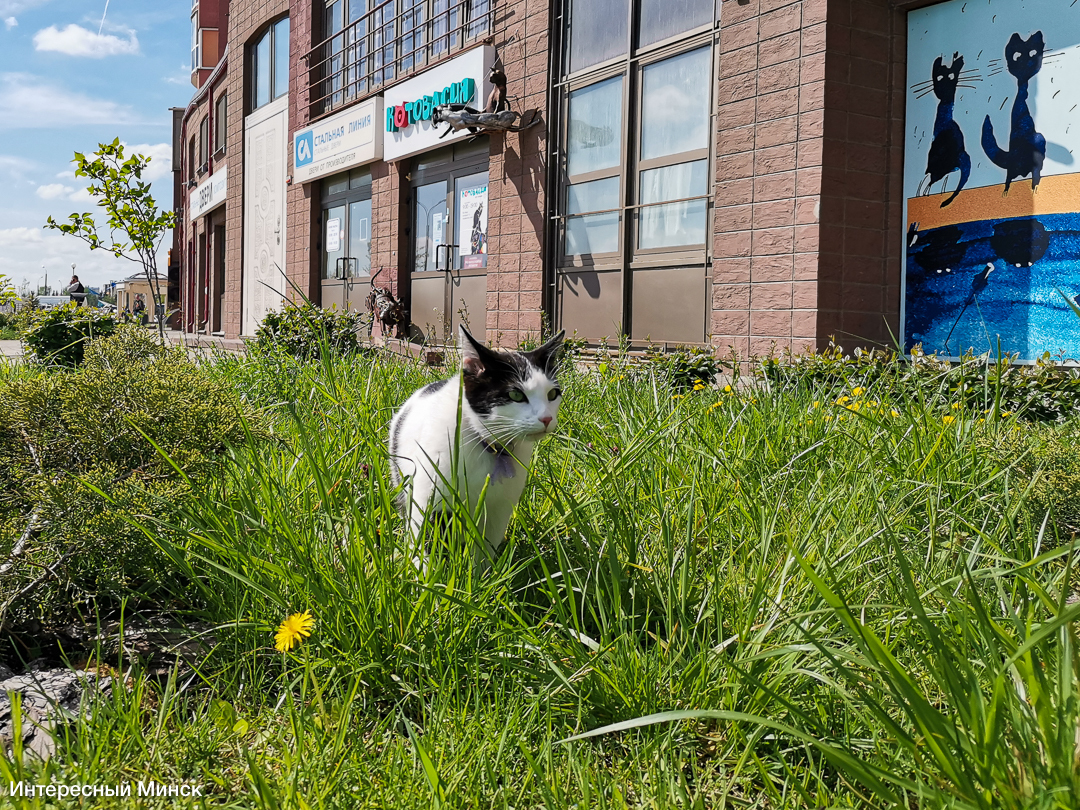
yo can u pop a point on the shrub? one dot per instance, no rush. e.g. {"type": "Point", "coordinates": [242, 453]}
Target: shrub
{"type": "Point", "coordinates": [687, 366]}
{"type": "Point", "coordinates": [65, 435]}
{"type": "Point", "coordinates": [60, 335]}
{"type": "Point", "coordinates": [1042, 392]}
{"type": "Point", "coordinates": [1047, 461]}
{"type": "Point", "coordinates": [306, 331]}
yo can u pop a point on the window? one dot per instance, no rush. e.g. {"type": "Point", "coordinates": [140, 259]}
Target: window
{"type": "Point", "coordinates": [192, 157]}
{"type": "Point", "coordinates": [221, 108]}
{"type": "Point", "coordinates": [270, 65]}
{"type": "Point", "coordinates": [599, 30]}
{"type": "Point", "coordinates": [636, 143]}
{"type": "Point", "coordinates": [196, 55]}
{"type": "Point", "coordinates": [346, 225]}
{"type": "Point", "coordinates": [368, 43]}
{"type": "Point", "coordinates": [204, 144]}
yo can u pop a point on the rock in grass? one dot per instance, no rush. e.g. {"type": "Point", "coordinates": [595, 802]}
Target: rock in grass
{"type": "Point", "coordinates": [49, 697]}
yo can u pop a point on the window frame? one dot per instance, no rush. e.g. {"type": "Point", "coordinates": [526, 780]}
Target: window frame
{"type": "Point", "coordinates": [269, 34]}
{"type": "Point", "coordinates": [221, 117]}
{"type": "Point", "coordinates": [354, 193]}
{"type": "Point", "coordinates": [204, 145]}
{"type": "Point", "coordinates": [631, 67]}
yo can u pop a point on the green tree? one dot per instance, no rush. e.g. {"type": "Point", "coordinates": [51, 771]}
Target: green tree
{"type": "Point", "coordinates": [7, 291]}
{"type": "Point", "coordinates": [135, 224]}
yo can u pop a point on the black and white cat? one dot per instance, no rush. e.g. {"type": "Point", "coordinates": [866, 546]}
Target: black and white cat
{"type": "Point", "coordinates": [508, 401]}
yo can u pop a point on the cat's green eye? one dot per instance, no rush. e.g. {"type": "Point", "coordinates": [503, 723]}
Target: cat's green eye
{"type": "Point", "coordinates": [554, 394]}
{"type": "Point", "coordinates": [516, 395]}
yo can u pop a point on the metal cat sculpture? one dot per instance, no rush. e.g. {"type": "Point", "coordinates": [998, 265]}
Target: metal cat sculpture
{"type": "Point", "coordinates": [495, 117]}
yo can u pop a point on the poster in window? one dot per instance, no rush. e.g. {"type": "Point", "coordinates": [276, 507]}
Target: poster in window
{"type": "Point", "coordinates": [333, 235]}
{"type": "Point", "coordinates": [472, 226]}
{"type": "Point", "coordinates": [991, 179]}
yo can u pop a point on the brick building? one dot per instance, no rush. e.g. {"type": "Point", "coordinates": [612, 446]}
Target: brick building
{"type": "Point", "coordinates": [727, 173]}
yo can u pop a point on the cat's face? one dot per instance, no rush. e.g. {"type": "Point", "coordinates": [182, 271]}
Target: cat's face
{"type": "Point", "coordinates": [1025, 56]}
{"type": "Point", "coordinates": [512, 395]}
{"type": "Point", "coordinates": [946, 77]}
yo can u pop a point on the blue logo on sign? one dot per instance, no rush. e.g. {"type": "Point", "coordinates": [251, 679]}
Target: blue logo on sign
{"type": "Point", "coordinates": [305, 149]}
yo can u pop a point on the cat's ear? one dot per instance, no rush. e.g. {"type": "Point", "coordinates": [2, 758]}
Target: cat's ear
{"type": "Point", "coordinates": [548, 355]}
{"type": "Point", "coordinates": [472, 353]}
{"type": "Point", "coordinates": [1036, 40]}
{"type": "Point", "coordinates": [938, 65]}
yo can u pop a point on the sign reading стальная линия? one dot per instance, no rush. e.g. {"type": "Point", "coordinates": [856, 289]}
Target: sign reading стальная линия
{"type": "Point", "coordinates": [350, 138]}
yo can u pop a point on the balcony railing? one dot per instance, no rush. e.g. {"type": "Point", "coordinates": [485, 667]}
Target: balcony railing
{"type": "Point", "coordinates": [395, 39]}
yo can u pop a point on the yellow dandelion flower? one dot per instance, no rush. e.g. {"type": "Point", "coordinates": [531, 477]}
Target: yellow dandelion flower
{"type": "Point", "coordinates": [699, 387]}
{"type": "Point", "coordinates": [956, 406]}
{"type": "Point", "coordinates": [981, 421]}
{"type": "Point", "coordinates": [293, 630]}
{"type": "Point", "coordinates": [895, 413]}
{"type": "Point", "coordinates": [677, 396]}
{"type": "Point", "coordinates": [817, 403]}
{"type": "Point", "coordinates": [857, 391]}
{"type": "Point", "coordinates": [948, 420]}
{"type": "Point", "coordinates": [842, 400]}
{"type": "Point", "coordinates": [727, 389]}
{"type": "Point", "coordinates": [714, 405]}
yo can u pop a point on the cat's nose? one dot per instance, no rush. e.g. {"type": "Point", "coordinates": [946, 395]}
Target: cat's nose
{"type": "Point", "coordinates": [546, 420]}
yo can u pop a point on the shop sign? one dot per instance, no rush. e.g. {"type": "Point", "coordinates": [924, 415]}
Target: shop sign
{"type": "Point", "coordinates": [409, 105]}
{"type": "Point", "coordinates": [412, 112]}
{"type": "Point", "coordinates": [350, 138]}
{"type": "Point", "coordinates": [210, 193]}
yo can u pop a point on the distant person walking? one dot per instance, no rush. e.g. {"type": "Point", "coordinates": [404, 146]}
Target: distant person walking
{"type": "Point", "coordinates": [139, 309]}
{"type": "Point", "coordinates": [77, 291]}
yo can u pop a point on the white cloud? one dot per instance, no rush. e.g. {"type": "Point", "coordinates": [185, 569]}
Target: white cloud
{"type": "Point", "coordinates": [27, 102]}
{"type": "Point", "coordinates": [15, 166]}
{"type": "Point", "coordinates": [10, 22]}
{"type": "Point", "coordinates": [66, 175]}
{"type": "Point", "coordinates": [13, 7]}
{"type": "Point", "coordinates": [160, 155]}
{"type": "Point", "coordinates": [53, 191]}
{"type": "Point", "coordinates": [78, 41]}
{"type": "Point", "coordinates": [15, 237]}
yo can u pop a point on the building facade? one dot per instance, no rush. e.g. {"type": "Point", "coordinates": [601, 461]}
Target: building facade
{"type": "Point", "coordinates": [716, 172]}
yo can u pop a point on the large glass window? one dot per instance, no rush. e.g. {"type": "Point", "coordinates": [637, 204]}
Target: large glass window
{"type": "Point", "coordinates": [594, 138]}
{"type": "Point", "coordinates": [270, 64]}
{"type": "Point", "coordinates": [592, 233]}
{"type": "Point", "coordinates": [662, 19]}
{"type": "Point", "coordinates": [675, 104]}
{"type": "Point", "coordinates": [346, 225]}
{"type": "Point", "coordinates": [599, 30]}
{"type": "Point", "coordinates": [639, 192]}
{"type": "Point", "coordinates": [677, 223]}
{"type": "Point", "coordinates": [368, 43]}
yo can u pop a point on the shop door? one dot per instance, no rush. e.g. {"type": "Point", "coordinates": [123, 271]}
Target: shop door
{"type": "Point", "coordinates": [347, 254]}
{"type": "Point", "coordinates": [264, 213]}
{"type": "Point", "coordinates": [449, 278]}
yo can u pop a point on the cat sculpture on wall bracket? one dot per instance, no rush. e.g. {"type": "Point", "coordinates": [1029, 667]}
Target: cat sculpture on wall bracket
{"type": "Point", "coordinates": [1027, 148]}
{"type": "Point", "coordinates": [495, 117]}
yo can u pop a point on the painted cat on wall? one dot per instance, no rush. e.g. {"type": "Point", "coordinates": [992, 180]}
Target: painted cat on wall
{"type": "Point", "coordinates": [1027, 148]}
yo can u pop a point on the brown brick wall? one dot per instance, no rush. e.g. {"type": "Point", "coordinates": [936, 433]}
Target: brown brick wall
{"type": "Point", "coordinates": [862, 179]}
{"type": "Point", "coordinates": [768, 174]}
{"type": "Point", "coordinates": [517, 179]}
{"type": "Point", "coordinates": [247, 21]}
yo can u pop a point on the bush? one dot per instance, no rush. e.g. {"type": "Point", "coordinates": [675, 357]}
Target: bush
{"type": "Point", "coordinates": [60, 335]}
{"type": "Point", "coordinates": [1047, 461]}
{"type": "Point", "coordinates": [65, 435]}
{"type": "Point", "coordinates": [306, 331]}
{"type": "Point", "coordinates": [1042, 392]}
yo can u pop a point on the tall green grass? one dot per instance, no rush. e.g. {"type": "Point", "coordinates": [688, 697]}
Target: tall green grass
{"type": "Point", "coordinates": [741, 599]}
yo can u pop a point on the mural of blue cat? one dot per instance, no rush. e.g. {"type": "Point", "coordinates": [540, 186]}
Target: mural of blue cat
{"type": "Point", "coordinates": [984, 261]}
{"type": "Point", "coordinates": [1027, 148]}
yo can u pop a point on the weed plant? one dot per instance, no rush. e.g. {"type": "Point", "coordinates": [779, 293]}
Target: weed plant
{"type": "Point", "coordinates": [708, 598]}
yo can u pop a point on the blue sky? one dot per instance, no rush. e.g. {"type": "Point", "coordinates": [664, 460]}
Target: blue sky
{"type": "Point", "coordinates": [67, 82]}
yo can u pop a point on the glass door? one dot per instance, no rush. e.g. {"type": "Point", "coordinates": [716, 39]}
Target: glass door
{"type": "Point", "coordinates": [431, 235]}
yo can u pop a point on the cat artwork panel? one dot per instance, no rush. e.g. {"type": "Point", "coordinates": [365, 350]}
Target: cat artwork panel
{"type": "Point", "coordinates": [475, 432]}
{"type": "Point", "coordinates": [991, 180]}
